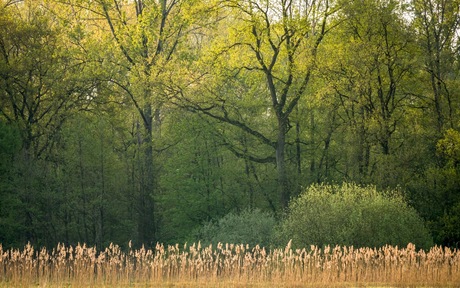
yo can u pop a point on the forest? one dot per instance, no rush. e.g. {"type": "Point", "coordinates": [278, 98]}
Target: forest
{"type": "Point", "coordinates": [149, 120]}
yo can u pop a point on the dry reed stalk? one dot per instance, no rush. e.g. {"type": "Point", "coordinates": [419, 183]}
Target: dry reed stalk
{"type": "Point", "coordinates": [228, 265]}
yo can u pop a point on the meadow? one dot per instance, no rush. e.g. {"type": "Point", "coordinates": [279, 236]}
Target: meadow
{"type": "Point", "coordinates": [229, 265]}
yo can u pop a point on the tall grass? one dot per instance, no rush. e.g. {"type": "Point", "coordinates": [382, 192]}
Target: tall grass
{"type": "Point", "coordinates": [228, 265]}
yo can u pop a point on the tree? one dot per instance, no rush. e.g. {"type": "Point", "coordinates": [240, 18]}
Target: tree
{"type": "Point", "coordinates": [10, 144]}
{"type": "Point", "coordinates": [41, 86]}
{"type": "Point", "coordinates": [196, 188]}
{"type": "Point", "coordinates": [437, 23]}
{"type": "Point", "coordinates": [435, 189]}
{"type": "Point", "coordinates": [94, 205]}
{"type": "Point", "coordinates": [269, 42]}
{"type": "Point", "coordinates": [370, 80]}
{"type": "Point", "coordinates": [38, 77]}
{"type": "Point", "coordinates": [143, 37]}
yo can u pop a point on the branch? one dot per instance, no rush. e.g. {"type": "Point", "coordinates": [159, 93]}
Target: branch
{"type": "Point", "coordinates": [11, 2]}
{"type": "Point", "coordinates": [245, 155]}
{"type": "Point", "coordinates": [197, 108]}
{"type": "Point", "coordinates": [115, 35]}
{"type": "Point", "coordinates": [141, 112]}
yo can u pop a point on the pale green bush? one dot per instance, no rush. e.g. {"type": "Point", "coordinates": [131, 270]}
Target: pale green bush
{"type": "Point", "coordinates": [349, 214]}
{"type": "Point", "coordinates": [253, 227]}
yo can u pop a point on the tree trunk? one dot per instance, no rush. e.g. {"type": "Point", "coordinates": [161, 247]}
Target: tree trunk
{"type": "Point", "coordinates": [435, 77]}
{"type": "Point", "coordinates": [298, 187]}
{"type": "Point", "coordinates": [146, 218]}
{"type": "Point", "coordinates": [283, 182]}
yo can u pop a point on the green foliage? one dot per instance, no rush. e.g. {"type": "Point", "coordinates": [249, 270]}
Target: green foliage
{"type": "Point", "coordinates": [352, 215]}
{"type": "Point", "coordinates": [436, 192]}
{"type": "Point", "coordinates": [248, 227]}
{"type": "Point", "coordinates": [193, 189]}
{"type": "Point", "coordinates": [97, 142]}
{"type": "Point", "coordinates": [204, 179]}
{"type": "Point", "coordinates": [448, 226]}
{"type": "Point", "coordinates": [449, 146]}
{"type": "Point", "coordinates": [10, 144]}
{"type": "Point", "coordinates": [95, 203]}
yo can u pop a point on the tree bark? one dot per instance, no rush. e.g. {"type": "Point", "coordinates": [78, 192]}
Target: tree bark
{"type": "Point", "coordinates": [146, 218]}
{"type": "Point", "coordinates": [283, 183]}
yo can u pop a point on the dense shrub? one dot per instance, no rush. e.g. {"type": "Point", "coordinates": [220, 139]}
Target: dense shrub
{"type": "Point", "coordinates": [248, 227]}
{"type": "Point", "coordinates": [352, 215]}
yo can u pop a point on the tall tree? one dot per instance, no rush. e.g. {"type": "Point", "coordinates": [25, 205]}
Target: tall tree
{"type": "Point", "coordinates": [269, 48]}
{"type": "Point", "coordinates": [369, 79]}
{"type": "Point", "coordinates": [94, 206]}
{"type": "Point", "coordinates": [10, 145]}
{"type": "Point", "coordinates": [41, 86]}
{"type": "Point", "coordinates": [435, 190]}
{"type": "Point", "coordinates": [437, 23]}
{"type": "Point", "coordinates": [143, 37]}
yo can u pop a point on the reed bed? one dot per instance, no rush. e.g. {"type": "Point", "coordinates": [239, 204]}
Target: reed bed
{"type": "Point", "coordinates": [229, 265]}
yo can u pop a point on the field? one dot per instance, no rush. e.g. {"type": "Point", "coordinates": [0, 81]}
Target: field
{"type": "Point", "coordinates": [229, 265]}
